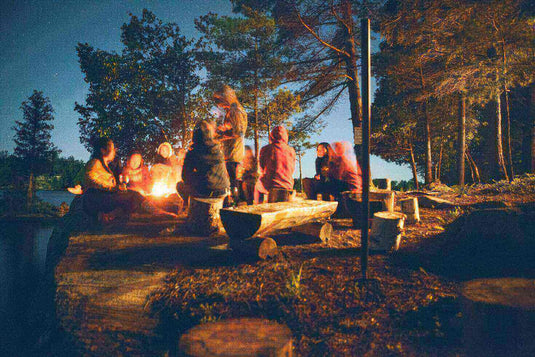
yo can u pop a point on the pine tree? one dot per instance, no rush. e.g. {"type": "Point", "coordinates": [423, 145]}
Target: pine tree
{"type": "Point", "coordinates": [32, 138]}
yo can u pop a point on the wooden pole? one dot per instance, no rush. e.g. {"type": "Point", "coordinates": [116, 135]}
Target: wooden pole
{"type": "Point", "coordinates": [366, 118]}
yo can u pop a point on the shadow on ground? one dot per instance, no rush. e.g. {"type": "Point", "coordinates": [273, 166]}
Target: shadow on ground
{"type": "Point", "coordinates": [484, 243]}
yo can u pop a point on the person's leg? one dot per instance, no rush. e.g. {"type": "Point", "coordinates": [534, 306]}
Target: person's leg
{"type": "Point", "coordinates": [184, 192]}
{"type": "Point", "coordinates": [309, 187]}
{"type": "Point", "coordinates": [259, 192]}
{"type": "Point", "coordinates": [232, 168]}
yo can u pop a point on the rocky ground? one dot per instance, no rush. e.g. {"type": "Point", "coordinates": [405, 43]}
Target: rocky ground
{"type": "Point", "coordinates": [134, 292]}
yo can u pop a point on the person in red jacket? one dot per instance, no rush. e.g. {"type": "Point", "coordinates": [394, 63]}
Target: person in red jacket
{"type": "Point", "coordinates": [277, 163]}
{"type": "Point", "coordinates": [345, 172]}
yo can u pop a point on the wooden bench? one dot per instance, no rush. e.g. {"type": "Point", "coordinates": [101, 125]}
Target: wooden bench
{"type": "Point", "coordinates": [245, 224]}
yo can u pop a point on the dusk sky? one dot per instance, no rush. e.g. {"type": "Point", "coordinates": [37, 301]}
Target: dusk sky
{"type": "Point", "coordinates": [37, 51]}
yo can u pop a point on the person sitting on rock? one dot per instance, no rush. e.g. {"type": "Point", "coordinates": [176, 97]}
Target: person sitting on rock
{"type": "Point", "coordinates": [136, 174]}
{"type": "Point", "coordinates": [320, 183]}
{"type": "Point", "coordinates": [103, 197]}
{"type": "Point", "coordinates": [204, 173]}
{"type": "Point", "coordinates": [277, 164]}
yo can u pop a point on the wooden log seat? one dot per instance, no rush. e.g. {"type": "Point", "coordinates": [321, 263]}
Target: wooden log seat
{"type": "Point", "coordinates": [410, 208]}
{"type": "Point", "coordinates": [380, 200]}
{"type": "Point", "coordinates": [319, 230]}
{"type": "Point", "coordinates": [260, 220]}
{"type": "Point", "coordinates": [499, 317]}
{"type": "Point", "coordinates": [280, 195]}
{"type": "Point", "coordinates": [203, 215]}
{"type": "Point", "coordinates": [386, 231]}
{"type": "Point", "coordinates": [237, 337]}
{"type": "Point", "coordinates": [256, 248]}
{"type": "Point", "coordinates": [384, 184]}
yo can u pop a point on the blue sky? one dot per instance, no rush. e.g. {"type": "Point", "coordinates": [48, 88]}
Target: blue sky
{"type": "Point", "coordinates": [37, 51]}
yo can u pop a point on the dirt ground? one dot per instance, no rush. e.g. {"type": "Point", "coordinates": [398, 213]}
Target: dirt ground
{"type": "Point", "coordinates": [134, 291]}
{"type": "Point", "coordinates": [409, 306]}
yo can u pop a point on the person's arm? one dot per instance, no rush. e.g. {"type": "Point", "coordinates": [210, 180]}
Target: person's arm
{"type": "Point", "coordinates": [98, 177]}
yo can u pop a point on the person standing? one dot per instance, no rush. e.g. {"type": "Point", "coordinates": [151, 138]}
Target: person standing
{"type": "Point", "coordinates": [231, 134]}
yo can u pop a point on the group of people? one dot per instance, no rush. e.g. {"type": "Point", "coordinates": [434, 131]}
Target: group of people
{"type": "Point", "coordinates": [336, 172]}
{"type": "Point", "coordinates": [217, 164]}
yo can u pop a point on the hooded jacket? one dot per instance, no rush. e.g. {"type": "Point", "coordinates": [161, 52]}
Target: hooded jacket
{"type": "Point", "coordinates": [344, 170]}
{"type": "Point", "coordinates": [204, 169]}
{"type": "Point", "coordinates": [277, 161]}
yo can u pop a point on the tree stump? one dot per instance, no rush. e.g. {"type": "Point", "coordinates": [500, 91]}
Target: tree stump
{"type": "Point", "coordinates": [258, 248]}
{"type": "Point", "coordinates": [203, 215]}
{"type": "Point", "coordinates": [319, 230]}
{"type": "Point", "coordinates": [384, 184]}
{"type": "Point", "coordinates": [379, 201]}
{"type": "Point", "coordinates": [410, 208]}
{"type": "Point", "coordinates": [386, 231]}
{"type": "Point", "coordinates": [280, 195]}
{"type": "Point", "coordinates": [499, 317]}
{"type": "Point", "coordinates": [237, 337]}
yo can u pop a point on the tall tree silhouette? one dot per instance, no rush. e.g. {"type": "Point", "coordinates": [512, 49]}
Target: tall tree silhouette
{"type": "Point", "coordinates": [32, 138]}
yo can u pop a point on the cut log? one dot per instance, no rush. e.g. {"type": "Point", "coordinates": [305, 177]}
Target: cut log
{"type": "Point", "coordinates": [280, 195]}
{"type": "Point", "coordinates": [384, 184]}
{"type": "Point", "coordinates": [262, 219]}
{"type": "Point", "coordinates": [434, 202]}
{"type": "Point", "coordinates": [499, 317]}
{"type": "Point", "coordinates": [237, 337]}
{"type": "Point", "coordinates": [319, 230]}
{"type": "Point", "coordinates": [379, 201]}
{"type": "Point", "coordinates": [203, 215]}
{"type": "Point", "coordinates": [386, 232]}
{"type": "Point", "coordinates": [262, 248]}
{"type": "Point", "coordinates": [410, 208]}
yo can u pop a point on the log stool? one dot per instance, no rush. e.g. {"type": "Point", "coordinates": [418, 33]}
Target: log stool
{"type": "Point", "coordinates": [384, 184]}
{"type": "Point", "coordinates": [410, 208]}
{"type": "Point", "coordinates": [280, 195]}
{"type": "Point", "coordinates": [257, 247]}
{"type": "Point", "coordinates": [499, 317]}
{"type": "Point", "coordinates": [386, 231]}
{"type": "Point", "coordinates": [237, 337]}
{"type": "Point", "coordinates": [203, 215]}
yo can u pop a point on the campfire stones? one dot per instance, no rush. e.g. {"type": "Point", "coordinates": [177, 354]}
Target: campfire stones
{"type": "Point", "coordinates": [237, 337]}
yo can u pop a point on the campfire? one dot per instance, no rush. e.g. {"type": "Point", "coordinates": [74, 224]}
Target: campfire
{"type": "Point", "coordinates": [164, 182]}
{"type": "Point", "coordinates": [161, 189]}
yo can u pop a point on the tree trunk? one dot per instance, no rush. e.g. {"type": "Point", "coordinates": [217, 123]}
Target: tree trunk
{"type": "Point", "coordinates": [461, 139]}
{"type": "Point", "coordinates": [438, 167]}
{"type": "Point", "coordinates": [531, 167]}
{"type": "Point", "coordinates": [508, 136]}
{"type": "Point", "coordinates": [29, 197]}
{"type": "Point", "coordinates": [473, 164]}
{"type": "Point", "coordinates": [300, 173]}
{"type": "Point", "coordinates": [428, 152]}
{"type": "Point", "coordinates": [353, 86]}
{"type": "Point", "coordinates": [500, 171]}
{"type": "Point", "coordinates": [413, 166]}
{"type": "Point", "coordinates": [255, 130]}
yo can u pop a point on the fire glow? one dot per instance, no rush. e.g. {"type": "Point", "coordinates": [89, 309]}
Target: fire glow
{"type": "Point", "coordinates": [161, 189]}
